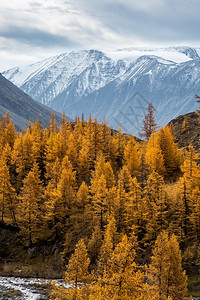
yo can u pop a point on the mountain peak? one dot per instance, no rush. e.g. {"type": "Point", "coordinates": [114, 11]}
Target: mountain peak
{"type": "Point", "coordinates": [116, 85]}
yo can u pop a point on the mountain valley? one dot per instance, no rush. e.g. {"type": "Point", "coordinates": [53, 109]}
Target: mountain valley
{"type": "Point", "coordinates": [116, 86]}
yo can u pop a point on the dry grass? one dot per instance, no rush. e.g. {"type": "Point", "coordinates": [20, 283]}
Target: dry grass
{"type": "Point", "coordinates": [37, 267]}
{"type": "Point", "coordinates": [12, 294]}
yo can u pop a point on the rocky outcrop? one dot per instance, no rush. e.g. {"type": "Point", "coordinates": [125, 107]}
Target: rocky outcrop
{"type": "Point", "coordinates": [186, 130]}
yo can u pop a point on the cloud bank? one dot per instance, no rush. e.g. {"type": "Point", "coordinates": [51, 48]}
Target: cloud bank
{"type": "Point", "coordinates": [33, 29]}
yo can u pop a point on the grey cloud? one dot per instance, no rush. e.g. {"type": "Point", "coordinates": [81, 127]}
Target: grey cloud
{"type": "Point", "coordinates": [171, 20]}
{"type": "Point", "coordinates": [35, 37]}
{"type": "Point", "coordinates": [160, 26]}
{"type": "Point", "coordinates": [102, 24]}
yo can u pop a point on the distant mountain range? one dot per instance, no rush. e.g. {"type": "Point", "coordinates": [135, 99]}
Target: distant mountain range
{"type": "Point", "coordinates": [22, 107]}
{"type": "Point", "coordinates": [115, 85]}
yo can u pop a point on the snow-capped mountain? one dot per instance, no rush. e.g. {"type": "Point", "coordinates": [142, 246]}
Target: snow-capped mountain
{"type": "Point", "coordinates": [115, 85]}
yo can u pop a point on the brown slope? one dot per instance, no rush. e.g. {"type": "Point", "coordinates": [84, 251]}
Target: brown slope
{"type": "Point", "coordinates": [22, 107]}
{"type": "Point", "coordinates": [186, 130]}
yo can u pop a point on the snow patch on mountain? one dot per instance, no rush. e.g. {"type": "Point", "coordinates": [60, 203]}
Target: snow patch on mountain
{"type": "Point", "coordinates": [172, 54]}
{"type": "Point", "coordinates": [117, 84]}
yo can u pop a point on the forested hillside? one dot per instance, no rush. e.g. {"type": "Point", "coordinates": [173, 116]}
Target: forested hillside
{"type": "Point", "coordinates": [124, 214]}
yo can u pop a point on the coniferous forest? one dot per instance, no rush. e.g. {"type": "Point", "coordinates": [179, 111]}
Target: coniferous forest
{"type": "Point", "coordinates": [124, 212]}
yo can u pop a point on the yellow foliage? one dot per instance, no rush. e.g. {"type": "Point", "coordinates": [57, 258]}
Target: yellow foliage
{"type": "Point", "coordinates": [88, 181]}
{"type": "Point", "coordinates": [165, 271]}
{"type": "Point", "coordinates": [154, 157]}
{"type": "Point", "coordinates": [29, 206]}
{"type": "Point", "coordinates": [132, 156]}
{"type": "Point", "coordinates": [77, 269]}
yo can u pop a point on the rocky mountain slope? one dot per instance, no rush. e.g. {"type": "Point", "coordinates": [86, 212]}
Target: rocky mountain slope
{"type": "Point", "coordinates": [22, 107]}
{"type": "Point", "coordinates": [115, 85]}
{"type": "Point", "coordinates": [186, 130]}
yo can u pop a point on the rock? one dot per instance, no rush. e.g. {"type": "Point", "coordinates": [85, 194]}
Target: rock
{"type": "Point", "coordinates": [12, 294]}
{"type": "Point", "coordinates": [186, 130]}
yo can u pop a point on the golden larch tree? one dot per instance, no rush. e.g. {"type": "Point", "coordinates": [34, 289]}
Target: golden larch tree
{"type": "Point", "coordinates": [169, 150]}
{"type": "Point", "coordinates": [121, 278]}
{"type": "Point", "coordinates": [165, 271]}
{"type": "Point", "coordinates": [7, 194]}
{"type": "Point", "coordinates": [22, 156]}
{"type": "Point", "coordinates": [153, 156]}
{"type": "Point", "coordinates": [132, 156]}
{"type": "Point", "coordinates": [29, 206]}
{"type": "Point", "coordinates": [108, 245]}
{"type": "Point", "coordinates": [76, 274]}
{"type": "Point", "coordinates": [156, 205]}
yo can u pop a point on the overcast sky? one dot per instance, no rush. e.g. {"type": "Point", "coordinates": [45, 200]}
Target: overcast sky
{"type": "Point", "coordinates": [31, 30]}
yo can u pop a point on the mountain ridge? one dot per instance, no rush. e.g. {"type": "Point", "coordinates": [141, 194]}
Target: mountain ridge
{"type": "Point", "coordinates": [22, 107]}
{"type": "Point", "coordinates": [101, 83]}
